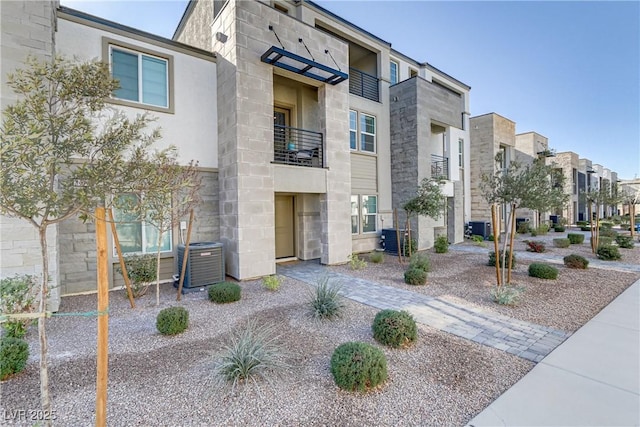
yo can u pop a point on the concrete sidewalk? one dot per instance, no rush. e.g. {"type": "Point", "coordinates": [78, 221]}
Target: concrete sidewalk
{"type": "Point", "coordinates": [592, 379]}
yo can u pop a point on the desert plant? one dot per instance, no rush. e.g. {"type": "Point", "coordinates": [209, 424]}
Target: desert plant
{"type": "Point", "coordinates": [224, 292]}
{"type": "Point", "coordinates": [271, 283]}
{"type": "Point", "coordinates": [608, 253]}
{"type": "Point", "coordinates": [421, 262]}
{"type": "Point", "coordinates": [575, 261]}
{"type": "Point", "coordinates": [492, 259]}
{"type": "Point", "coordinates": [534, 232]}
{"type": "Point", "coordinates": [394, 328]}
{"type": "Point", "coordinates": [523, 227]}
{"type": "Point", "coordinates": [608, 232]}
{"type": "Point", "coordinates": [561, 243]}
{"type": "Point", "coordinates": [605, 241]}
{"type": "Point", "coordinates": [625, 242]}
{"type": "Point", "coordinates": [356, 262]}
{"type": "Point", "coordinates": [542, 229]}
{"type": "Point", "coordinates": [409, 246]}
{"type": "Point", "coordinates": [476, 238]}
{"type": "Point", "coordinates": [543, 271]}
{"type": "Point", "coordinates": [415, 276]}
{"type": "Point", "coordinates": [14, 353]}
{"type": "Point", "coordinates": [585, 228]}
{"type": "Point", "coordinates": [17, 295]}
{"type": "Point", "coordinates": [376, 257]}
{"type": "Point", "coordinates": [358, 366]}
{"type": "Point", "coordinates": [326, 301]}
{"type": "Point", "coordinates": [536, 246]}
{"type": "Point", "coordinates": [506, 294]}
{"type": "Point", "coordinates": [172, 320]}
{"type": "Point", "coordinates": [441, 245]}
{"type": "Point", "coordinates": [559, 228]}
{"type": "Point", "coordinates": [141, 270]}
{"type": "Point", "coordinates": [575, 238]}
{"type": "Point", "coordinates": [253, 351]}
{"type": "Point", "coordinates": [582, 223]}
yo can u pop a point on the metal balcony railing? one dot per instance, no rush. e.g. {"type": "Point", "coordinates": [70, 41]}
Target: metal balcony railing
{"type": "Point", "coordinates": [299, 147]}
{"type": "Point", "coordinates": [439, 167]}
{"type": "Point", "coordinates": [363, 84]}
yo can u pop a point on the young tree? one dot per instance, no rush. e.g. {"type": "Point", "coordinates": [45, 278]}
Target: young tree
{"type": "Point", "coordinates": [67, 150]}
{"type": "Point", "coordinates": [429, 201]}
{"type": "Point", "coordinates": [596, 198]}
{"type": "Point", "coordinates": [630, 198]}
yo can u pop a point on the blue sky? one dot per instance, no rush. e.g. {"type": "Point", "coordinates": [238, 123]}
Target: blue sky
{"type": "Point", "coordinates": [567, 70]}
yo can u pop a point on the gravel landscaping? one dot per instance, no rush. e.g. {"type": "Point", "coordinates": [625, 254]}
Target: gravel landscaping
{"type": "Point", "coordinates": [169, 380]}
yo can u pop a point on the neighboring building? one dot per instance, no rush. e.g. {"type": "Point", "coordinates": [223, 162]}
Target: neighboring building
{"type": "Point", "coordinates": [532, 146]}
{"type": "Point", "coordinates": [585, 182]}
{"type": "Point", "coordinates": [567, 164]}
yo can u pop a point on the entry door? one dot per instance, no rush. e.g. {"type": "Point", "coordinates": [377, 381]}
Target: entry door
{"type": "Point", "coordinates": [285, 241]}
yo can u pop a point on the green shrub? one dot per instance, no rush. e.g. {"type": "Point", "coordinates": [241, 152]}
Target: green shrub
{"type": "Point", "coordinates": [172, 320]}
{"type": "Point", "coordinates": [605, 241]}
{"type": "Point", "coordinates": [409, 244]}
{"type": "Point", "coordinates": [582, 223]}
{"type": "Point", "coordinates": [575, 238]}
{"type": "Point", "coordinates": [356, 262]}
{"type": "Point", "coordinates": [441, 245]}
{"type": "Point", "coordinates": [523, 227]}
{"type": "Point", "coordinates": [585, 228]}
{"type": "Point", "coordinates": [141, 270]}
{"type": "Point", "coordinates": [17, 295]}
{"type": "Point", "coordinates": [326, 301]}
{"type": "Point", "coordinates": [608, 232]}
{"type": "Point", "coordinates": [224, 292]}
{"type": "Point", "coordinates": [506, 294]}
{"type": "Point", "coordinates": [606, 225]}
{"type": "Point", "coordinates": [491, 238]}
{"type": "Point", "coordinates": [376, 257]}
{"type": "Point", "coordinates": [394, 328]}
{"type": "Point", "coordinates": [421, 262]}
{"type": "Point", "coordinates": [14, 353]}
{"type": "Point", "coordinates": [536, 246]}
{"type": "Point", "coordinates": [253, 351]}
{"type": "Point", "coordinates": [608, 253]}
{"type": "Point", "coordinates": [358, 366]}
{"type": "Point", "coordinates": [558, 228]}
{"type": "Point", "coordinates": [534, 232]}
{"type": "Point", "coordinates": [271, 283]}
{"type": "Point", "coordinates": [543, 271]}
{"type": "Point", "coordinates": [576, 261]}
{"type": "Point", "coordinates": [477, 238]}
{"type": "Point", "coordinates": [543, 229]}
{"type": "Point", "coordinates": [561, 243]}
{"type": "Point", "coordinates": [492, 259]}
{"type": "Point", "coordinates": [625, 242]}
{"type": "Point", "coordinates": [415, 276]}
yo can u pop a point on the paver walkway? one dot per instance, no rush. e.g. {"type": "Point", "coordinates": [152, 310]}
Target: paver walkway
{"type": "Point", "coordinates": [527, 340]}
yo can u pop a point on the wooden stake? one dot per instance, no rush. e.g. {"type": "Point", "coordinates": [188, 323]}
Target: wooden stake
{"type": "Point", "coordinates": [103, 319]}
{"type": "Point", "coordinates": [125, 275]}
{"type": "Point", "coordinates": [185, 257]}
{"type": "Point", "coordinates": [397, 223]}
{"type": "Point", "coordinates": [495, 242]}
{"type": "Point", "coordinates": [511, 238]}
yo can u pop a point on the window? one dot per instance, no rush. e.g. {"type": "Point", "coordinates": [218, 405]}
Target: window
{"type": "Point", "coordinates": [355, 209]}
{"type": "Point", "coordinates": [353, 129]}
{"type": "Point", "coordinates": [461, 153]}
{"type": "Point", "coordinates": [367, 133]}
{"type": "Point", "coordinates": [137, 236]}
{"type": "Point", "coordinates": [412, 73]}
{"type": "Point", "coordinates": [145, 77]}
{"type": "Point", "coordinates": [393, 68]}
{"type": "Point", "coordinates": [364, 214]}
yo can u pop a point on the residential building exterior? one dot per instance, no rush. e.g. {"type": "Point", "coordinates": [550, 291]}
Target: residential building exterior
{"type": "Point", "coordinates": [531, 146]}
{"type": "Point", "coordinates": [567, 164]}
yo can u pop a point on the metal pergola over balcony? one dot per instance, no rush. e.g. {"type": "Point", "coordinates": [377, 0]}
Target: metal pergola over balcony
{"type": "Point", "coordinates": [289, 61]}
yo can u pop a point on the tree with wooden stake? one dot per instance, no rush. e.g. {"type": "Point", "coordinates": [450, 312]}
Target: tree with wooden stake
{"type": "Point", "coordinates": [165, 192]}
{"type": "Point", "coordinates": [68, 151]}
{"type": "Point", "coordinates": [429, 201]}
{"type": "Point", "coordinates": [630, 198]}
{"type": "Point", "coordinates": [595, 198]}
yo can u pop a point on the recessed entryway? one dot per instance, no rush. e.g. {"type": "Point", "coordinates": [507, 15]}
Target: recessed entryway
{"type": "Point", "coordinates": [285, 227]}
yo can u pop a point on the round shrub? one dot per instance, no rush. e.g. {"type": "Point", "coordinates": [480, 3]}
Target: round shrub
{"type": "Point", "coordinates": [608, 253]}
{"type": "Point", "coordinates": [575, 238]}
{"type": "Point", "coordinates": [224, 292]}
{"type": "Point", "coordinates": [394, 328]}
{"type": "Point", "coordinates": [625, 242]}
{"type": "Point", "coordinates": [441, 245]}
{"type": "Point", "coordinates": [421, 262]}
{"type": "Point", "coordinates": [608, 232]}
{"type": "Point", "coordinates": [415, 276]}
{"type": "Point", "coordinates": [543, 271]}
{"type": "Point", "coordinates": [561, 243]}
{"type": "Point", "coordinates": [492, 259]}
{"type": "Point", "coordinates": [172, 320]}
{"type": "Point", "coordinates": [576, 261]}
{"type": "Point", "coordinates": [14, 353]}
{"type": "Point", "coordinates": [358, 366]}
{"type": "Point", "coordinates": [605, 241]}
{"type": "Point", "coordinates": [558, 228]}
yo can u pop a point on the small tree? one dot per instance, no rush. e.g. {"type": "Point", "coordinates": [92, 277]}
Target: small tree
{"type": "Point", "coordinates": [596, 198]}
{"type": "Point", "coordinates": [630, 198]}
{"type": "Point", "coordinates": [67, 152]}
{"type": "Point", "coordinates": [429, 201]}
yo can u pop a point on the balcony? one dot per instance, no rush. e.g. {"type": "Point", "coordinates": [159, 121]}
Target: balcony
{"type": "Point", "coordinates": [439, 167]}
{"type": "Point", "coordinates": [297, 147]}
{"type": "Point", "coordinates": [363, 84]}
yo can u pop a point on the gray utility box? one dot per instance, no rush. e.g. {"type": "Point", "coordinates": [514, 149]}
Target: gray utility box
{"type": "Point", "coordinates": [205, 264]}
{"type": "Point", "coordinates": [480, 228]}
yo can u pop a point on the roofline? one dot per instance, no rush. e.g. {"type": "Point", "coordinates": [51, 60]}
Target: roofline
{"type": "Point", "coordinates": [442, 73]}
{"type": "Point", "coordinates": [185, 15]}
{"type": "Point", "coordinates": [77, 16]}
{"type": "Point", "coordinates": [531, 131]}
{"type": "Point", "coordinates": [492, 113]}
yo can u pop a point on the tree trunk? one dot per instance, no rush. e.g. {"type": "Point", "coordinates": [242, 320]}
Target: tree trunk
{"type": "Point", "coordinates": [632, 219]}
{"type": "Point", "coordinates": [158, 267]}
{"type": "Point", "coordinates": [123, 267]}
{"type": "Point", "coordinates": [42, 333]}
{"type": "Point", "coordinates": [495, 243]}
{"type": "Point", "coordinates": [511, 238]}
{"type": "Point", "coordinates": [590, 212]}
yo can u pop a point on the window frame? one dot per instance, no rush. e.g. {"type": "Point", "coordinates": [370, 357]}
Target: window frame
{"type": "Point", "coordinates": [355, 199]}
{"type": "Point", "coordinates": [358, 199]}
{"type": "Point", "coordinates": [109, 44]}
{"type": "Point", "coordinates": [353, 131]}
{"type": "Point", "coordinates": [363, 117]}
{"type": "Point", "coordinates": [391, 64]}
{"type": "Point", "coordinates": [461, 153]}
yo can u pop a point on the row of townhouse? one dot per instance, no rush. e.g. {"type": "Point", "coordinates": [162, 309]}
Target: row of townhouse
{"type": "Point", "coordinates": [309, 132]}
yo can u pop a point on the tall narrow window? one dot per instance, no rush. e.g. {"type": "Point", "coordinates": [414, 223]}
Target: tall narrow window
{"type": "Point", "coordinates": [353, 129]}
{"type": "Point", "coordinates": [367, 133]}
{"type": "Point", "coordinates": [393, 69]}
{"type": "Point", "coordinates": [355, 212]}
{"type": "Point", "coordinates": [460, 153]}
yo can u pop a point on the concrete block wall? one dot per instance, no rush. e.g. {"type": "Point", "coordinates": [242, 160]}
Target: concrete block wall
{"type": "Point", "coordinates": [568, 161]}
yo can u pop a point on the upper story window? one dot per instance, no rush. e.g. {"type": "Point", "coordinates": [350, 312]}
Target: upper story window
{"type": "Point", "coordinates": [362, 133]}
{"type": "Point", "coordinates": [145, 77]}
{"type": "Point", "coordinates": [461, 153]}
{"type": "Point", "coordinates": [412, 72]}
{"type": "Point", "coordinates": [393, 69]}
